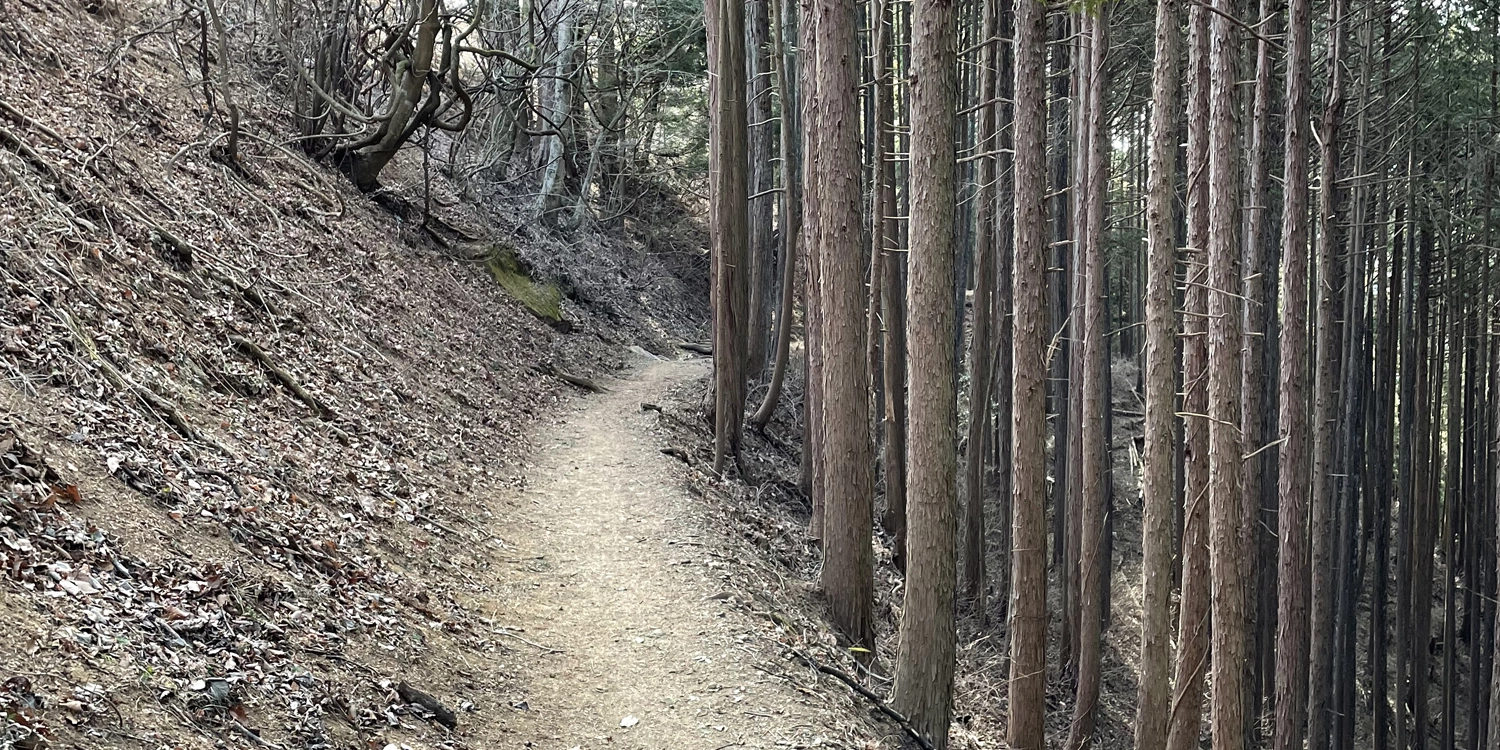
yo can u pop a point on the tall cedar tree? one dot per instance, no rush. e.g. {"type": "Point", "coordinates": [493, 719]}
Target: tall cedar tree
{"type": "Point", "coordinates": [1295, 481]}
{"type": "Point", "coordinates": [728, 220]}
{"type": "Point", "coordinates": [848, 492]}
{"type": "Point", "coordinates": [1185, 718]}
{"type": "Point", "coordinates": [1092, 563]}
{"type": "Point", "coordinates": [812, 399]}
{"type": "Point", "coordinates": [1258, 581]}
{"type": "Point", "coordinates": [1028, 609]}
{"type": "Point", "coordinates": [791, 208]}
{"type": "Point", "coordinates": [762, 271]}
{"type": "Point", "coordinates": [893, 288]}
{"type": "Point", "coordinates": [981, 354]}
{"type": "Point", "coordinates": [924, 661]}
{"type": "Point", "coordinates": [1160, 456]}
{"type": "Point", "coordinates": [1325, 348]}
{"type": "Point", "coordinates": [1226, 447]}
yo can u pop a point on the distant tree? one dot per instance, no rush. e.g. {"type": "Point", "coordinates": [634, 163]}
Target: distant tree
{"type": "Point", "coordinates": [762, 271]}
{"type": "Point", "coordinates": [893, 285]}
{"type": "Point", "coordinates": [788, 123]}
{"type": "Point", "coordinates": [982, 345]}
{"type": "Point", "coordinates": [1093, 565]}
{"type": "Point", "coordinates": [420, 90]}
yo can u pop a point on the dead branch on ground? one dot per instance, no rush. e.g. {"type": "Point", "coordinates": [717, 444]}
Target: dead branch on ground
{"type": "Point", "coordinates": [247, 346]}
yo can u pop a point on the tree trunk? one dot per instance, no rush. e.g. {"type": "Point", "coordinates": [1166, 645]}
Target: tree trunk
{"type": "Point", "coordinates": [728, 181]}
{"type": "Point", "coordinates": [1003, 324]}
{"type": "Point", "coordinates": [1193, 613]}
{"type": "Point", "coordinates": [1157, 490]}
{"type": "Point", "coordinates": [1093, 563]}
{"type": "Point", "coordinates": [848, 505]}
{"type": "Point", "coordinates": [1073, 466]}
{"type": "Point", "coordinates": [893, 293]}
{"type": "Point", "coordinates": [924, 662]}
{"type": "Point", "coordinates": [1295, 480]}
{"type": "Point", "coordinates": [1059, 282]}
{"type": "Point", "coordinates": [1225, 389]}
{"type": "Point", "coordinates": [1028, 610]}
{"type": "Point", "coordinates": [812, 469]}
{"type": "Point", "coordinates": [762, 271]}
{"type": "Point", "coordinates": [791, 208]}
{"type": "Point", "coordinates": [560, 115]}
{"type": "Point", "coordinates": [1257, 285]}
{"type": "Point", "coordinates": [982, 346]}
{"type": "Point", "coordinates": [1323, 529]}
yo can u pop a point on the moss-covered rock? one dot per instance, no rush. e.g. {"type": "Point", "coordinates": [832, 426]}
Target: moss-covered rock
{"type": "Point", "coordinates": [542, 298]}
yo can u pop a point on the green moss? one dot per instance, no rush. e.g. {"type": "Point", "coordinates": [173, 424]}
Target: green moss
{"type": "Point", "coordinates": [542, 298]}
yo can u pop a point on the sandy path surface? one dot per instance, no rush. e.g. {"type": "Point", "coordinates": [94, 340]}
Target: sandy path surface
{"type": "Point", "coordinates": [624, 582]}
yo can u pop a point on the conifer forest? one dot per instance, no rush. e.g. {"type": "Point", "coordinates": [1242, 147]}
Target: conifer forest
{"type": "Point", "coordinates": [701, 374]}
{"type": "Point", "coordinates": [1250, 247]}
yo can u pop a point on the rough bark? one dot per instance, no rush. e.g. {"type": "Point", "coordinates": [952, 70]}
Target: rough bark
{"type": "Point", "coordinates": [1325, 351]}
{"type": "Point", "coordinates": [1193, 612]}
{"type": "Point", "coordinates": [762, 271]}
{"type": "Point", "coordinates": [924, 661]}
{"type": "Point", "coordinates": [1092, 562]}
{"type": "Point", "coordinates": [791, 212]}
{"type": "Point", "coordinates": [982, 346]}
{"type": "Point", "coordinates": [893, 295]}
{"type": "Point", "coordinates": [812, 468]}
{"type": "Point", "coordinates": [727, 222]}
{"type": "Point", "coordinates": [1160, 456]}
{"type": "Point", "coordinates": [1294, 482]}
{"type": "Point", "coordinates": [848, 563]}
{"type": "Point", "coordinates": [1028, 609]}
{"type": "Point", "coordinates": [1261, 613]}
{"type": "Point", "coordinates": [1225, 389]}
{"type": "Point", "coordinates": [1073, 467]}
{"type": "Point", "coordinates": [1004, 359]}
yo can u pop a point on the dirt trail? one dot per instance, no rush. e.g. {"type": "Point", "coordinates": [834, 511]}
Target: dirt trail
{"type": "Point", "coordinates": [619, 575]}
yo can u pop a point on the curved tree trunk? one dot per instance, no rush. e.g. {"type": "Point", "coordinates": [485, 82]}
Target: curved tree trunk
{"type": "Point", "coordinates": [791, 212]}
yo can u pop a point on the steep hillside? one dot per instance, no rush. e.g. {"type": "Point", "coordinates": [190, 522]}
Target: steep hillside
{"type": "Point", "coordinates": [249, 411]}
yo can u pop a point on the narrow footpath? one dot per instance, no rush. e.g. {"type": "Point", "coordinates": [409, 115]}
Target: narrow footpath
{"type": "Point", "coordinates": [621, 580]}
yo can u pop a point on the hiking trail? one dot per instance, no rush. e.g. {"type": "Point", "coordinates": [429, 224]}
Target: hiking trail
{"type": "Point", "coordinates": [620, 578]}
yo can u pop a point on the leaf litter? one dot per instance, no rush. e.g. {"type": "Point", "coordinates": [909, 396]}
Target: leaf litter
{"type": "Point", "coordinates": [248, 427]}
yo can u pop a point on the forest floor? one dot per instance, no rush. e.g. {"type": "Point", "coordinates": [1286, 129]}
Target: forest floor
{"type": "Point", "coordinates": [640, 642]}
